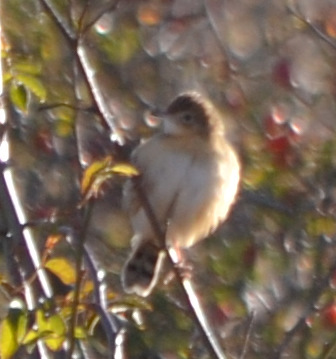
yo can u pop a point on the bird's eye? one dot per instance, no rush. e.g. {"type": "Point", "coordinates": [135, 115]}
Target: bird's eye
{"type": "Point", "coordinates": [187, 118]}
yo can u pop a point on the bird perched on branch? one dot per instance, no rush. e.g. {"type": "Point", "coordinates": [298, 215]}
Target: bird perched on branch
{"type": "Point", "coordinates": [190, 174]}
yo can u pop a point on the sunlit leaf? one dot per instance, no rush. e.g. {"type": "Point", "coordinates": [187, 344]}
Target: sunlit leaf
{"type": "Point", "coordinates": [62, 269]}
{"type": "Point", "coordinates": [21, 328]}
{"type": "Point", "coordinates": [33, 84]}
{"type": "Point", "coordinates": [8, 340]}
{"type": "Point", "coordinates": [57, 328]}
{"type": "Point", "coordinates": [12, 331]}
{"type": "Point", "coordinates": [32, 337]}
{"type": "Point", "coordinates": [41, 321]}
{"type": "Point", "coordinates": [92, 171]}
{"type": "Point", "coordinates": [125, 169]}
{"type": "Point", "coordinates": [51, 329]}
{"type": "Point", "coordinates": [101, 171]}
{"type": "Point", "coordinates": [18, 96]}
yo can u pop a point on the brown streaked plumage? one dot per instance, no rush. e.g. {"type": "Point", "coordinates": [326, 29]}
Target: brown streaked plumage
{"type": "Point", "coordinates": [190, 174]}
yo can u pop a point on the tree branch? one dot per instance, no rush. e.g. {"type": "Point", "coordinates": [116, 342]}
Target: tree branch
{"type": "Point", "coordinates": [194, 305]}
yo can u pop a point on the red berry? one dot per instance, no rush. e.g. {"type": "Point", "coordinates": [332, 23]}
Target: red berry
{"type": "Point", "coordinates": [329, 316]}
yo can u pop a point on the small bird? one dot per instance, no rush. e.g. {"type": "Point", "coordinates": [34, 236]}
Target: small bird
{"type": "Point", "coordinates": [190, 175]}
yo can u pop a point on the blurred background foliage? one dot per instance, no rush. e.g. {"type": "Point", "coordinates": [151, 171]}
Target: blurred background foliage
{"type": "Point", "coordinates": [267, 277]}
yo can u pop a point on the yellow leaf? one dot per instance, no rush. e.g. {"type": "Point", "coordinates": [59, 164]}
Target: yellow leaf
{"type": "Point", "coordinates": [62, 269]}
{"type": "Point", "coordinates": [51, 329]}
{"type": "Point", "coordinates": [92, 171]}
{"type": "Point", "coordinates": [8, 340]}
{"type": "Point", "coordinates": [101, 171]}
{"type": "Point", "coordinates": [56, 325]}
{"type": "Point", "coordinates": [13, 328]}
{"type": "Point", "coordinates": [54, 342]}
{"type": "Point", "coordinates": [31, 337]}
{"type": "Point", "coordinates": [21, 326]}
{"type": "Point", "coordinates": [125, 169]}
{"type": "Point", "coordinates": [57, 330]}
{"type": "Point", "coordinates": [41, 321]}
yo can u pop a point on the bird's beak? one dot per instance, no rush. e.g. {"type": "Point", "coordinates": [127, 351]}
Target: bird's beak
{"type": "Point", "coordinates": [159, 118]}
{"type": "Point", "coordinates": [154, 118]}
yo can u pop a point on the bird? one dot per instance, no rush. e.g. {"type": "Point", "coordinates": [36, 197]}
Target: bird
{"type": "Point", "coordinates": [190, 176]}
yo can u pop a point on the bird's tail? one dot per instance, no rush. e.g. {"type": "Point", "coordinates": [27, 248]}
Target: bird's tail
{"type": "Point", "coordinates": [141, 271]}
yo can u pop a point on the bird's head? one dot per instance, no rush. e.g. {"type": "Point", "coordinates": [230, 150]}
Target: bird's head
{"type": "Point", "coordinates": [190, 114]}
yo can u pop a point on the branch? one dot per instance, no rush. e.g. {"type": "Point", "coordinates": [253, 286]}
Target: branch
{"type": "Point", "coordinates": [105, 9]}
{"type": "Point", "coordinates": [112, 327]}
{"type": "Point", "coordinates": [16, 220]}
{"type": "Point", "coordinates": [76, 42]}
{"type": "Point", "coordinates": [22, 242]}
{"type": "Point", "coordinates": [194, 305]}
{"type": "Point", "coordinates": [109, 323]}
{"type": "Point", "coordinates": [317, 31]}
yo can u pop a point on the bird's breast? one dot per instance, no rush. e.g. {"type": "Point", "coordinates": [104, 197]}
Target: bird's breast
{"type": "Point", "coordinates": [189, 186]}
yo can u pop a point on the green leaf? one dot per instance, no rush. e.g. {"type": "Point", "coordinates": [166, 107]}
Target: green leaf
{"type": "Point", "coordinates": [51, 329]}
{"type": "Point", "coordinates": [18, 96]}
{"type": "Point", "coordinates": [62, 269]}
{"type": "Point", "coordinates": [33, 84]}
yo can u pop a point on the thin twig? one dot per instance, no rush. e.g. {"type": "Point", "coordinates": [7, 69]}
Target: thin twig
{"type": "Point", "coordinates": [194, 305]}
{"type": "Point", "coordinates": [247, 337]}
{"type": "Point", "coordinates": [65, 28]}
{"type": "Point", "coordinates": [51, 106]}
{"type": "Point", "coordinates": [109, 322]}
{"type": "Point", "coordinates": [80, 240]}
{"type": "Point", "coordinates": [108, 8]}
{"type": "Point", "coordinates": [76, 42]}
{"type": "Point", "coordinates": [317, 31]}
